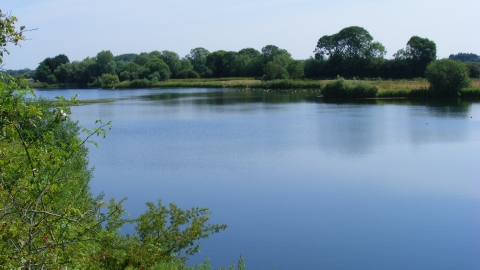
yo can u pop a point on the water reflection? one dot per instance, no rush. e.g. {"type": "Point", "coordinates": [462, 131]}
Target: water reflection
{"type": "Point", "coordinates": [230, 97]}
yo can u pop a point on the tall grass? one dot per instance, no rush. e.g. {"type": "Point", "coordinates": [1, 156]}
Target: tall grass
{"type": "Point", "coordinates": [211, 83]}
{"type": "Point", "coordinates": [403, 93]}
{"type": "Point", "coordinates": [287, 84]}
{"type": "Point", "coordinates": [470, 92]}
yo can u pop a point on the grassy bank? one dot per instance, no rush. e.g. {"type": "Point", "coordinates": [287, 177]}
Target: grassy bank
{"type": "Point", "coordinates": [223, 83]}
{"type": "Point", "coordinates": [57, 103]}
{"type": "Point", "coordinates": [374, 88]}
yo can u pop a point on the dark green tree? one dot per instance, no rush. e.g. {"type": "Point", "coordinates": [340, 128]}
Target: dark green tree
{"type": "Point", "coordinates": [348, 52]}
{"type": "Point", "coordinates": [172, 60]}
{"type": "Point", "coordinates": [277, 68]}
{"type": "Point", "coordinates": [142, 59]}
{"type": "Point", "coordinates": [270, 51]}
{"type": "Point", "coordinates": [418, 53]}
{"type": "Point", "coordinates": [42, 72]}
{"type": "Point", "coordinates": [251, 52]}
{"type": "Point", "coordinates": [159, 67]}
{"type": "Point", "coordinates": [198, 58]}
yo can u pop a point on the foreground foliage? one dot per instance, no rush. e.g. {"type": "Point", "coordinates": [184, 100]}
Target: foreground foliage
{"type": "Point", "coordinates": [48, 217]}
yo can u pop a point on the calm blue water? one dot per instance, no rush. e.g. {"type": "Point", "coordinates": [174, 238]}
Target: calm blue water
{"type": "Point", "coordinates": [302, 183]}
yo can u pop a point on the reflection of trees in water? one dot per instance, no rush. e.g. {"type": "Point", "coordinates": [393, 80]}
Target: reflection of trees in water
{"type": "Point", "coordinates": [437, 107]}
{"type": "Point", "coordinates": [351, 127]}
{"type": "Point", "coordinates": [354, 127]}
{"type": "Point", "coordinates": [235, 97]}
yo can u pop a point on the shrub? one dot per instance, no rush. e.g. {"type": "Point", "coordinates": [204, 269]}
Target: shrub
{"type": "Point", "coordinates": [140, 83]}
{"type": "Point", "coordinates": [341, 89]}
{"type": "Point", "coordinates": [447, 77]}
{"type": "Point", "coordinates": [109, 80]}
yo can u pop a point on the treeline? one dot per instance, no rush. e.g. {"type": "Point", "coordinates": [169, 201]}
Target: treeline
{"type": "Point", "coordinates": [26, 72]}
{"type": "Point", "coordinates": [350, 53]}
{"type": "Point", "coordinates": [471, 60]}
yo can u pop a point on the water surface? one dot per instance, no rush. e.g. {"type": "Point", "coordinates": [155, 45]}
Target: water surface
{"type": "Point", "coordinates": [302, 183]}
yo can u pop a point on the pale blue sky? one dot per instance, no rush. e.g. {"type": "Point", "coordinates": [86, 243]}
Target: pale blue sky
{"type": "Point", "coordinates": [81, 28]}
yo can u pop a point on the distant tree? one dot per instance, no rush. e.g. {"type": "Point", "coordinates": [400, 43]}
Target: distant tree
{"type": "Point", "coordinates": [185, 64]}
{"type": "Point", "coordinates": [85, 71]}
{"type": "Point", "coordinates": [198, 58]}
{"type": "Point", "coordinates": [128, 57]}
{"type": "Point", "coordinates": [239, 66]}
{"type": "Point", "coordinates": [313, 67]}
{"type": "Point", "coordinates": [270, 51]}
{"type": "Point", "coordinates": [465, 57]}
{"type": "Point", "coordinates": [155, 54]}
{"type": "Point", "coordinates": [104, 57]}
{"type": "Point", "coordinates": [348, 52]}
{"type": "Point", "coordinates": [447, 77]}
{"type": "Point", "coordinates": [417, 55]}
{"type": "Point", "coordinates": [51, 64]}
{"type": "Point", "coordinates": [277, 68]}
{"type": "Point", "coordinates": [296, 70]}
{"type": "Point", "coordinates": [64, 73]}
{"type": "Point", "coordinates": [251, 52]}
{"type": "Point", "coordinates": [218, 63]}
{"type": "Point", "coordinates": [19, 72]}
{"type": "Point", "coordinates": [157, 65]}
{"type": "Point", "coordinates": [351, 42]}
{"type": "Point", "coordinates": [142, 59]}
{"type": "Point", "coordinates": [474, 69]}
{"type": "Point", "coordinates": [172, 60]}
{"type": "Point", "coordinates": [42, 72]}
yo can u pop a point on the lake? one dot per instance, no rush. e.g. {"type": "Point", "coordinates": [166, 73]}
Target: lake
{"type": "Point", "coordinates": [302, 182]}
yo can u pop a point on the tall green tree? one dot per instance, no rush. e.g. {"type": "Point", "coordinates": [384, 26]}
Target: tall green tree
{"type": "Point", "coordinates": [157, 68]}
{"type": "Point", "coordinates": [198, 58]}
{"type": "Point", "coordinates": [348, 52]}
{"type": "Point", "coordinates": [277, 68]}
{"type": "Point", "coordinates": [172, 60]}
{"type": "Point", "coordinates": [418, 53]}
{"type": "Point", "coordinates": [270, 51]}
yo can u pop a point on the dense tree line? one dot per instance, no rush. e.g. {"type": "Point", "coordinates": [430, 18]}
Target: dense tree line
{"type": "Point", "coordinates": [352, 52]}
{"type": "Point", "coordinates": [271, 63]}
{"type": "Point", "coordinates": [471, 60]}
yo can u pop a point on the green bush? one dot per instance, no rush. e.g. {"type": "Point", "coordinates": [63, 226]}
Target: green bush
{"type": "Point", "coordinates": [109, 80]}
{"type": "Point", "coordinates": [447, 77]}
{"type": "Point", "coordinates": [341, 89]}
{"type": "Point", "coordinates": [140, 83]}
